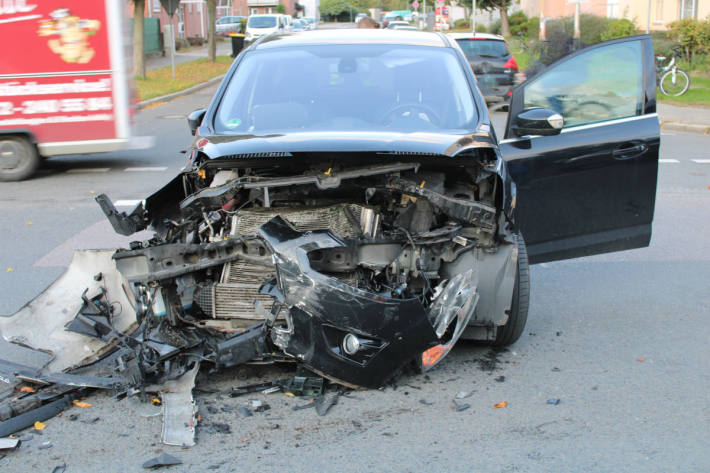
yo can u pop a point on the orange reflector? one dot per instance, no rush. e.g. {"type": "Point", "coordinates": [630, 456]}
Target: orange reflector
{"type": "Point", "coordinates": [202, 173]}
{"type": "Point", "coordinates": [81, 404]}
{"type": "Point", "coordinates": [432, 355]}
{"type": "Point", "coordinates": [500, 405]}
{"type": "Point", "coordinates": [27, 389]}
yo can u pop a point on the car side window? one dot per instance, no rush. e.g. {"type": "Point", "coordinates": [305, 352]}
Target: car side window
{"type": "Point", "coordinates": [601, 84]}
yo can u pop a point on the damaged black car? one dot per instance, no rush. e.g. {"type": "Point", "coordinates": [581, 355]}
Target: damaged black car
{"type": "Point", "coordinates": [348, 205]}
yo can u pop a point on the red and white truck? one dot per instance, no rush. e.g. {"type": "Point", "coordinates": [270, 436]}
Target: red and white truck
{"type": "Point", "coordinates": [64, 81]}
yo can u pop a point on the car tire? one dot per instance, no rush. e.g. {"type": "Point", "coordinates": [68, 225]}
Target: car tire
{"type": "Point", "coordinates": [510, 332]}
{"type": "Point", "coordinates": [18, 158]}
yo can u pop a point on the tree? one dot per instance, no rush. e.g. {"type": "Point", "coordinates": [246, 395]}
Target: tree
{"type": "Point", "coordinates": [211, 30]}
{"type": "Point", "coordinates": [138, 39]}
{"type": "Point", "coordinates": [281, 8]}
{"type": "Point", "coordinates": [502, 7]}
{"type": "Point", "coordinates": [333, 7]}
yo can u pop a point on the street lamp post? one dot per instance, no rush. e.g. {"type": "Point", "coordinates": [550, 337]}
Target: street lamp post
{"type": "Point", "coordinates": [473, 18]}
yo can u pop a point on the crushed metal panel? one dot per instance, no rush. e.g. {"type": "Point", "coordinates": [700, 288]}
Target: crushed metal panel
{"type": "Point", "coordinates": [179, 410]}
{"type": "Point", "coordinates": [41, 322]}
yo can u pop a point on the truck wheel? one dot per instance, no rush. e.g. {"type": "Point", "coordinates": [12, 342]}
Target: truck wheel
{"type": "Point", "coordinates": [510, 332]}
{"type": "Point", "coordinates": [18, 158]}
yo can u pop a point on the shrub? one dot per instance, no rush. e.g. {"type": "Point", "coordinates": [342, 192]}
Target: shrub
{"type": "Point", "coordinates": [281, 8]}
{"type": "Point", "coordinates": [692, 35]}
{"type": "Point", "coordinates": [618, 28]}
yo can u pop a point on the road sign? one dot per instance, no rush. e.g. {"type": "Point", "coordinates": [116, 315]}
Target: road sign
{"type": "Point", "coordinates": [415, 4]}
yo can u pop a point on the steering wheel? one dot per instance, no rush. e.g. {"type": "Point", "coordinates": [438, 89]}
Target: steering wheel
{"type": "Point", "coordinates": [399, 110]}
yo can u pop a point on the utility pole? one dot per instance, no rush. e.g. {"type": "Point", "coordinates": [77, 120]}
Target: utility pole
{"type": "Point", "coordinates": [648, 19]}
{"type": "Point", "coordinates": [577, 33]}
{"type": "Point", "coordinates": [473, 18]}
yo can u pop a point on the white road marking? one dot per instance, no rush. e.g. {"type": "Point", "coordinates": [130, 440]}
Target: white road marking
{"type": "Point", "coordinates": [146, 169]}
{"type": "Point", "coordinates": [126, 203]}
{"type": "Point", "coordinates": [82, 170]}
{"type": "Point", "coordinates": [701, 161]}
{"type": "Point", "coordinates": [668, 161]}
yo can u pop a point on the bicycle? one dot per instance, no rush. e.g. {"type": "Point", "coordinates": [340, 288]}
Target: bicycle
{"type": "Point", "coordinates": [672, 80]}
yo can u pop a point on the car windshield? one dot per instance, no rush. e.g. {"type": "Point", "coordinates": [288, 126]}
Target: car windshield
{"type": "Point", "coordinates": [262, 22]}
{"type": "Point", "coordinates": [347, 87]}
{"type": "Point", "coordinates": [474, 48]}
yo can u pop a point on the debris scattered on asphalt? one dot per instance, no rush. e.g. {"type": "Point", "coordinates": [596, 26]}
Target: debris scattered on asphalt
{"type": "Point", "coordinates": [93, 420]}
{"type": "Point", "coordinates": [212, 409]}
{"type": "Point", "coordinates": [500, 405]}
{"type": "Point", "coordinates": [558, 333]}
{"type": "Point", "coordinates": [304, 406]}
{"type": "Point", "coordinates": [640, 360]}
{"type": "Point", "coordinates": [27, 389]}
{"type": "Point", "coordinates": [40, 426]}
{"type": "Point", "coordinates": [81, 404]}
{"type": "Point", "coordinates": [245, 412]}
{"type": "Point", "coordinates": [325, 401]}
{"type": "Point", "coordinates": [357, 424]}
{"type": "Point", "coordinates": [259, 406]}
{"type": "Point", "coordinates": [461, 406]}
{"type": "Point", "coordinates": [221, 428]}
{"type": "Point", "coordinates": [464, 394]}
{"type": "Point", "coordinates": [500, 379]}
{"type": "Point", "coordinates": [555, 369]}
{"type": "Point", "coordinates": [164, 459]}
{"type": "Point", "coordinates": [45, 445]}
{"type": "Point", "coordinates": [553, 401]}
{"type": "Point", "coordinates": [60, 469]}
{"type": "Point", "coordinates": [73, 417]}
{"type": "Point", "coordinates": [425, 402]}
{"type": "Point", "coordinates": [9, 444]}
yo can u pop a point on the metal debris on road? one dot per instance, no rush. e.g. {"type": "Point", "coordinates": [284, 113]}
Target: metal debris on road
{"type": "Point", "coordinates": [45, 445]}
{"type": "Point", "coordinates": [500, 405]}
{"type": "Point", "coordinates": [461, 406]}
{"type": "Point", "coordinates": [9, 444]}
{"type": "Point", "coordinates": [324, 402]}
{"type": "Point", "coordinates": [164, 459]}
{"type": "Point", "coordinates": [553, 401]}
{"type": "Point", "coordinates": [464, 394]}
{"type": "Point", "coordinates": [60, 469]}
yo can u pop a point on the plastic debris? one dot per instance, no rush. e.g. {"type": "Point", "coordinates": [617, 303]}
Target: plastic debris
{"type": "Point", "coordinates": [81, 404]}
{"type": "Point", "coordinates": [304, 406]}
{"type": "Point", "coordinates": [9, 443]}
{"type": "Point", "coordinates": [245, 412]}
{"type": "Point", "coordinates": [40, 426]}
{"type": "Point", "coordinates": [461, 406]}
{"type": "Point", "coordinates": [156, 401]}
{"type": "Point", "coordinates": [500, 379]}
{"type": "Point", "coordinates": [325, 401]}
{"type": "Point", "coordinates": [640, 360]}
{"type": "Point", "coordinates": [60, 469]}
{"type": "Point", "coordinates": [425, 402]}
{"type": "Point", "coordinates": [164, 459]}
{"type": "Point", "coordinates": [500, 405]}
{"type": "Point", "coordinates": [464, 394]}
{"type": "Point", "coordinates": [9, 270]}
{"type": "Point", "coordinates": [553, 401]}
{"type": "Point", "coordinates": [27, 389]}
{"type": "Point", "coordinates": [45, 445]}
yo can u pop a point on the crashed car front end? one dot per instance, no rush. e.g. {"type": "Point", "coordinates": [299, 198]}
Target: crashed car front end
{"type": "Point", "coordinates": [353, 266]}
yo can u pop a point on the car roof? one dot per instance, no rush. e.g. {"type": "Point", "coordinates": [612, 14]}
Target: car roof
{"type": "Point", "coordinates": [352, 36]}
{"type": "Point", "coordinates": [477, 36]}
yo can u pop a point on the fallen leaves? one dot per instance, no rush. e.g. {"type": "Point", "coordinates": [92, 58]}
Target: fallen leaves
{"type": "Point", "coordinates": [39, 425]}
{"type": "Point", "coordinates": [500, 405]}
{"type": "Point", "coordinates": [81, 404]}
{"type": "Point", "coordinates": [27, 389]}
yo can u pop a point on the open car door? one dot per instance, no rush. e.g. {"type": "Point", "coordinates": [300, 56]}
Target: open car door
{"type": "Point", "coordinates": [590, 186]}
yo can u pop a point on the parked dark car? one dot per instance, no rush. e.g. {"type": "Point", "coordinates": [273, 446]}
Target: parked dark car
{"type": "Point", "coordinates": [491, 61]}
{"type": "Point", "coordinates": [336, 212]}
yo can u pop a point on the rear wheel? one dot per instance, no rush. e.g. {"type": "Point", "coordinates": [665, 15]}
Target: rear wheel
{"type": "Point", "coordinates": [510, 332]}
{"type": "Point", "coordinates": [18, 158]}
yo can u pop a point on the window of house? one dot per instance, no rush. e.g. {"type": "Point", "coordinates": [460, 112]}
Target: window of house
{"type": "Point", "coordinates": [612, 9]}
{"type": "Point", "coordinates": [254, 11]}
{"type": "Point", "coordinates": [156, 6]}
{"type": "Point", "coordinates": [688, 9]}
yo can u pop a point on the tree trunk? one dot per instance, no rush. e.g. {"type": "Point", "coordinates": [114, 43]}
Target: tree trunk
{"type": "Point", "coordinates": [504, 25]}
{"type": "Point", "coordinates": [211, 30]}
{"type": "Point", "coordinates": [138, 39]}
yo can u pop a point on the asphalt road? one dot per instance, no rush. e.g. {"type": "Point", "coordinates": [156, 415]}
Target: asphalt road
{"type": "Point", "coordinates": [591, 320]}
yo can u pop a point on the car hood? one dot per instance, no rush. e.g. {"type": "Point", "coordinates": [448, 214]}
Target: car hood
{"type": "Point", "coordinates": [237, 146]}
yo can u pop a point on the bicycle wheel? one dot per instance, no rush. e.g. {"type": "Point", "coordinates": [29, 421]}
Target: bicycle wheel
{"type": "Point", "coordinates": [676, 87]}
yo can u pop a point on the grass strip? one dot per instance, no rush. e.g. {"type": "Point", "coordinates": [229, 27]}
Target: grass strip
{"type": "Point", "coordinates": [160, 82]}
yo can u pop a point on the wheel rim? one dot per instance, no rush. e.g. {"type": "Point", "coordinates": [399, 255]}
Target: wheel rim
{"type": "Point", "coordinates": [674, 88]}
{"type": "Point", "coordinates": [12, 156]}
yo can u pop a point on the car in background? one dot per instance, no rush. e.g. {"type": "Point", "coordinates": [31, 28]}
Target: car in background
{"type": "Point", "coordinates": [311, 22]}
{"type": "Point", "coordinates": [229, 24]}
{"type": "Point", "coordinates": [359, 17]}
{"type": "Point", "coordinates": [405, 27]}
{"type": "Point", "coordinates": [299, 25]}
{"type": "Point", "coordinates": [391, 25]}
{"type": "Point", "coordinates": [491, 61]}
{"type": "Point", "coordinates": [262, 25]}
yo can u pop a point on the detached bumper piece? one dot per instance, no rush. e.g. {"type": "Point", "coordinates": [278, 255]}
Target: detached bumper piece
{"type": "Point", "coordinates": [353, 336]}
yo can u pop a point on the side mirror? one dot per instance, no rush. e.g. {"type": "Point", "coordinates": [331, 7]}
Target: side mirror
{"type": "Point", "coordinates": [538, 121]}
{"type": "Point", "coordinates": [194, 120]}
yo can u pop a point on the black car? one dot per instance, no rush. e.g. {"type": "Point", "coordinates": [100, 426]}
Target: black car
{"type": "Point", "coordinates": [491, 61]}
{"type": "Point", "coordinates": [348, 205]}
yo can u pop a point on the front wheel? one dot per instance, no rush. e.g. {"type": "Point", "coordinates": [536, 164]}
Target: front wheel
{"type": "Point", "coordinates": [510, 332]}
{"type": "Point", "coordinates": [675, 85]}
{"type": "Point", "coordinates": [18, 158]}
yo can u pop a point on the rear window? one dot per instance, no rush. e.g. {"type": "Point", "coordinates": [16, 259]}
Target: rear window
{"type": "Point", "coordinates": [474, 48]}
{"type": "Point", "coordinates": [262, 22]}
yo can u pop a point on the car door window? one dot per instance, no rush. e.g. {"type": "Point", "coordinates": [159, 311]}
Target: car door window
{"type": "Point", "coordinates": [597, 85]}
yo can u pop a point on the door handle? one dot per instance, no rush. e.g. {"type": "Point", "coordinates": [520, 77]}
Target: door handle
{"type": "Point", "coordinates": [629, 151]}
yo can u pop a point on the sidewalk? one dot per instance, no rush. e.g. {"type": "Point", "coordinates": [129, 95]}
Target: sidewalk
{"type": "Point", "coordinates": [224, 48]}
{"type": "Point", "coordinates": [680, 118]}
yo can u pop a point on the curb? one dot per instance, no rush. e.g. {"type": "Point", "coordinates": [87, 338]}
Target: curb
{"type": "Point", "coordinates": [687, 127]}
{"type": "Point", "coordinates": [179, 93]}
